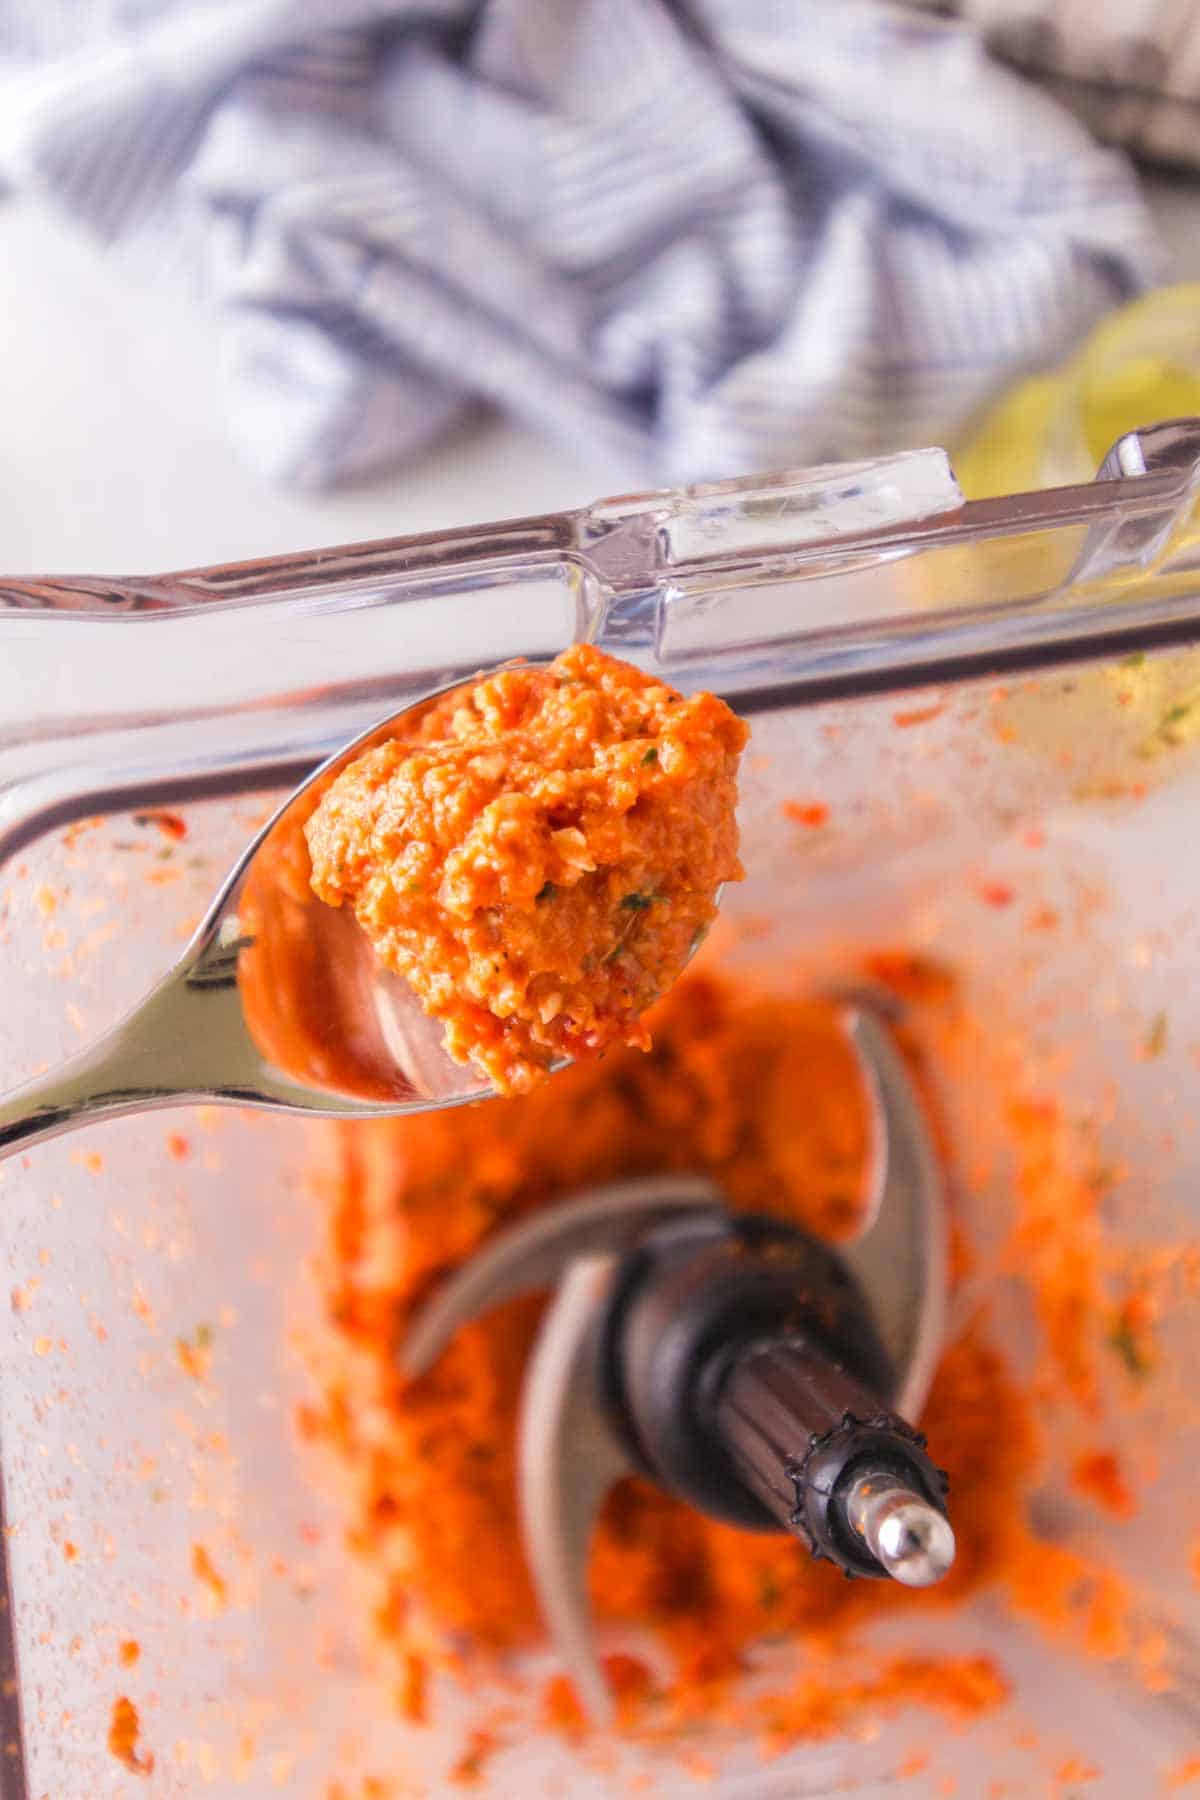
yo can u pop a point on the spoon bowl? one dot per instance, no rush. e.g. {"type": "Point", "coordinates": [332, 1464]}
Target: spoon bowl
{"type": "Point", "coordinates": [277, 1001]}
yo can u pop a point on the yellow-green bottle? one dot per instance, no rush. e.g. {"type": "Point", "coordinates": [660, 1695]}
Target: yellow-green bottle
{"type": "Point", "coordinates": [1140, 365]}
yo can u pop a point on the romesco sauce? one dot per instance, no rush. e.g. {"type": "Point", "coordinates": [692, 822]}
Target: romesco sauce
{"type": "Point", "coordinates": [541, 860]}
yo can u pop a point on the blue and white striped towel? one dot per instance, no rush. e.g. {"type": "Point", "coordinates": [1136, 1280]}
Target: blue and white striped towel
{"type": "Point", "coordinates": [709, 237]}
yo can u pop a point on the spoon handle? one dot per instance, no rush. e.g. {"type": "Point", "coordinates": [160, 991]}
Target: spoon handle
{"type": "Point", "coordinates": [162, 1053]}
{"type": "Point", "coordinates": [187, 1041]}
{"type": "Point", "coordinates": [91, 1086]}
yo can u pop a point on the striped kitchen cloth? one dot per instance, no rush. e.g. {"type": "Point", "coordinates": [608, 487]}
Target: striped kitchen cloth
{"type": "Point", "coordinates": [705, 239]}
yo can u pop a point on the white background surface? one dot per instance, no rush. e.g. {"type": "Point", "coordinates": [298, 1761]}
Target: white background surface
{"type": "Point", "coordinates": [114, 456]}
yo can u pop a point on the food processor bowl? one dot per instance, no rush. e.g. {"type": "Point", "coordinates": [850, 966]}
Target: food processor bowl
{"type": "Point", "coordinates": [975, 752]}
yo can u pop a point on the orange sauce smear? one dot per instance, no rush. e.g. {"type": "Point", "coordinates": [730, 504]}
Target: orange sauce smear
{"type": "Point", "coordinates": [124, 1733]}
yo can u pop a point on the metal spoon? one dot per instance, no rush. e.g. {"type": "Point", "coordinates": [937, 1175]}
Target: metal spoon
{"type": "Point", "coordinates": [278, 1001]}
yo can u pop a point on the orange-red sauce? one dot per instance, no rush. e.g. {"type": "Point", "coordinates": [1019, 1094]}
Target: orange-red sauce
{"type": "Point", "coordinates": [541, 862]}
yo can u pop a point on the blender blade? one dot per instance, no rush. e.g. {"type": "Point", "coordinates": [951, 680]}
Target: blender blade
{"type": "Point", "coordinates": [843, 1471]}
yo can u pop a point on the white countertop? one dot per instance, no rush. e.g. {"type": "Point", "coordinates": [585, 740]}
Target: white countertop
{"type": "Point", "coordinates": [114, 457]}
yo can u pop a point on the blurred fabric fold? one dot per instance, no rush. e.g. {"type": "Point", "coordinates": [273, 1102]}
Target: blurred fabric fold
{"type": "Point", "coordinates": [707, 239]}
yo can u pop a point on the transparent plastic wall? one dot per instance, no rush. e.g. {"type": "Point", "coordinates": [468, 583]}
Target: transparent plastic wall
{"type": "Point", "coordinates": [915, 782]}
